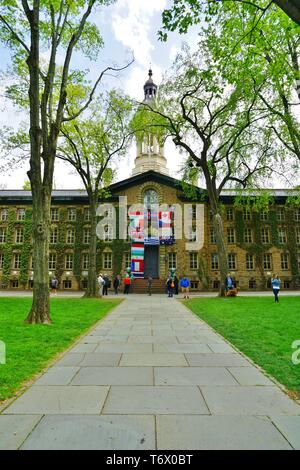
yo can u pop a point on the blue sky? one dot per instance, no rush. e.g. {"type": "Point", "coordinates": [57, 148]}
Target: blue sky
{"type": "Point", "coordinates": [128, 26]}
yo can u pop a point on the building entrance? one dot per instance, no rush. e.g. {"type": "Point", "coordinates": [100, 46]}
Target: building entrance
{"type": "Point", "coordinates": [151, 258]}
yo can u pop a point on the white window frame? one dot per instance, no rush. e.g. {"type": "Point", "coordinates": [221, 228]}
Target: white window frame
{"type": "Point", "coordinates": [69, 261]}
{"type": "Point", "coordinates": [194, 260]}
{"type": "Point", "coordinates": [107, 260]}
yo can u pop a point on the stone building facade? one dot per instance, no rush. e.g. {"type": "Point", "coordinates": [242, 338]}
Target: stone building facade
{"type": "Point", "coordinates": [259, 242]}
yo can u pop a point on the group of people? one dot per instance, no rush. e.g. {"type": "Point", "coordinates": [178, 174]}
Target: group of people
{"type": "Point", "coordinates": [173, 284]}
{"type": "Point", "coordinates": [105, 283]}
{"type": "Point", "coordinates": [232, 289]}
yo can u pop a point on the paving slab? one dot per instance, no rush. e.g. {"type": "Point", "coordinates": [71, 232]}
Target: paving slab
{"type": "Point", "coordinates": [199, 339]}
{"type": "Point", "coordinates": [289, 426]}
{"type": "Point", "coordinates": [92, 339]}
{"type": "Point", "coordinates": [152, 339]}
{"type": "Point", "coordinates": [181, 348]}
{"type": "Point", "coordinates": [124, 348]}
{"type": "Point", "coordinates": [155, 400]}
{"type": "Point", "coordinates": [217, 360]}
{"type": "Point", "coordinates": [101, 359]}
{"type": "Point", "coordinates": [218, 433]}
{"type": "Point", "coordinates": [70, 359]}
{"type": "Point", "coordinates": [221, 348]}
{"type": "Point", "coordinates": [58, 376]}
{"type": "Point", "coordinates": [113, 339]}
{"type": "Point", "coordinates": [59, 400]}
{"type": "Point", "coordinates": [193, 376]}
{"type": "Point", "coordinates": [246, 400]}
{"type": "Point", "coordinates": [93, 433]}
{"type": "Point", "coordinates": [114, 376]}
{"type": "Point", "coordinates": [153, 359]}
{"type": "Point", "coordinates": [83, 348]}
{"type": "Point", "coordinates": [249, 376]}
{"type": "Point", "coordinates": [15, 428]}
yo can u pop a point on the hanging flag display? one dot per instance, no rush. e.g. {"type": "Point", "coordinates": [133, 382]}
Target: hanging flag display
{"type": "Point", "coordinates": [137, 259]}
{"type": "Point", "coordinates": [137, 226]}
{"type": "Point", "coordinates": [166, 227]}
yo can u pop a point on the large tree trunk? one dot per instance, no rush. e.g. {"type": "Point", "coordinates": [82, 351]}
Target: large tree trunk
{"type": "Point", "coordinates": [40, 309]}
{"type": "Point", "coordinates": [222, 249]}
{"type": "Point", "coordinates": [219, 230]}
{"type": "Point", "coordinates": [92, 288]}
{"type": "Point", "coordinates": [41, 199]}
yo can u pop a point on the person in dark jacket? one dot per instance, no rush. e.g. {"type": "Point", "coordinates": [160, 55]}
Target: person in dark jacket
{"type": "Point", "coordinates": [54, 285]}
{"type": "Point", "coordinates": [150, 280]}
{"type": "Point", "coordinates": [176, 284]}
{"type": "Point", "coordinates": [117, 284]}
{"type": "Point", "coordinates": [170, 287]}
{"type": "Point", "coordinates": [106, 284]}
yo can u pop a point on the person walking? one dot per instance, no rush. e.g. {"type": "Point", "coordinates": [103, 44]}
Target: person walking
{"type": "Point", "coordinates": [54, 285]}
{"type": "Point", "coordinates": [100, 284]}
{"type": "Point", "coordinates": [127, 282]}
{"type": "Point", "coordinates": [150, 280]}
{"type": "Point", "coordinates": [275, 281]}
{"type": "Point", "coordinates": [106, 284]}
{"type": "Point", "coordinates": [176, 284]}
{"type": "Point", "coordinates": [185, 287]}
{"type": "Point", "coordinates": [170, 287]}
{"type": "Point", "coordinates": [116, 284]}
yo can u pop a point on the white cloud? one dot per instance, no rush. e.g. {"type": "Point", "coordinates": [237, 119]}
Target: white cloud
{"type": "Point", "coordinates": [131, 24]}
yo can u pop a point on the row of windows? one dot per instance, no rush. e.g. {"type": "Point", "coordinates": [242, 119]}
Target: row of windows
{"type": "Point", "coordinates": [172, 261]}
{"type": "Point", "coordinates": [248, 235]}
{"type": "Point", "coordinates": [250, 261]}
{"type": "Point", "coordinates": [231, 235]}
{"type": "Point", "coordinates": [264, 215]}
{"type": "Point", "coordinates": [70, 235]}
{"type": "Point", "coordinates": [72, 213]}
{"type": "Point", "coordinates": [68, 262]}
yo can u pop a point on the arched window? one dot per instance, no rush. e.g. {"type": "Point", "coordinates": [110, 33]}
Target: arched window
{"type": "Point", "coordinates": [150, 197]}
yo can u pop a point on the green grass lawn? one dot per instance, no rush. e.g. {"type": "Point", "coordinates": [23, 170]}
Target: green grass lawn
{"type": "Point", "coordinates": [260, 329]}
{"type": "Point", "coordinates": [29, 348]}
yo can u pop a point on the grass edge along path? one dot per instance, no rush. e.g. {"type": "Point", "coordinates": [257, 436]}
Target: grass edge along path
{"type": "Point", "coordinates": [32, 349]}
{"type": "Point", "coordinates": [260, 329]}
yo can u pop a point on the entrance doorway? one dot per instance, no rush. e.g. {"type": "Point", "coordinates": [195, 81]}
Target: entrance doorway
{"type": "Point", "coordinates": [151, 257]}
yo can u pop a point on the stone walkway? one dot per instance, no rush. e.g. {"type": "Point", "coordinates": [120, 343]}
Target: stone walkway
{"type": "Point", "coordinates": [152, 376]}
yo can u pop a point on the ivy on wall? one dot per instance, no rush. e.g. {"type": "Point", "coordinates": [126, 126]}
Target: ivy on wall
{"type": "Point", "coordinates": [26, 248]}
{"type": "Point", "coordinates": [8, 248]}
{"type": "Point", "coordinates": [257, 248]}
{"type": "Point", "coordinates": [79, 245]}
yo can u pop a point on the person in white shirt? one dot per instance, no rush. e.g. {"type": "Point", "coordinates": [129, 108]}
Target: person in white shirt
{"type": "Point", "coordinates": [101, 284]}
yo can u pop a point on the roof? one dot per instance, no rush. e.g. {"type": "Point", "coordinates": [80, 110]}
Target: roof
{"type": "Point", "coordinates": [69, 196]}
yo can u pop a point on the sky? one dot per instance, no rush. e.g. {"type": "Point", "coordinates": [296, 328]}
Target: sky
{"type": "Point", "coordinates": [128, 27]}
